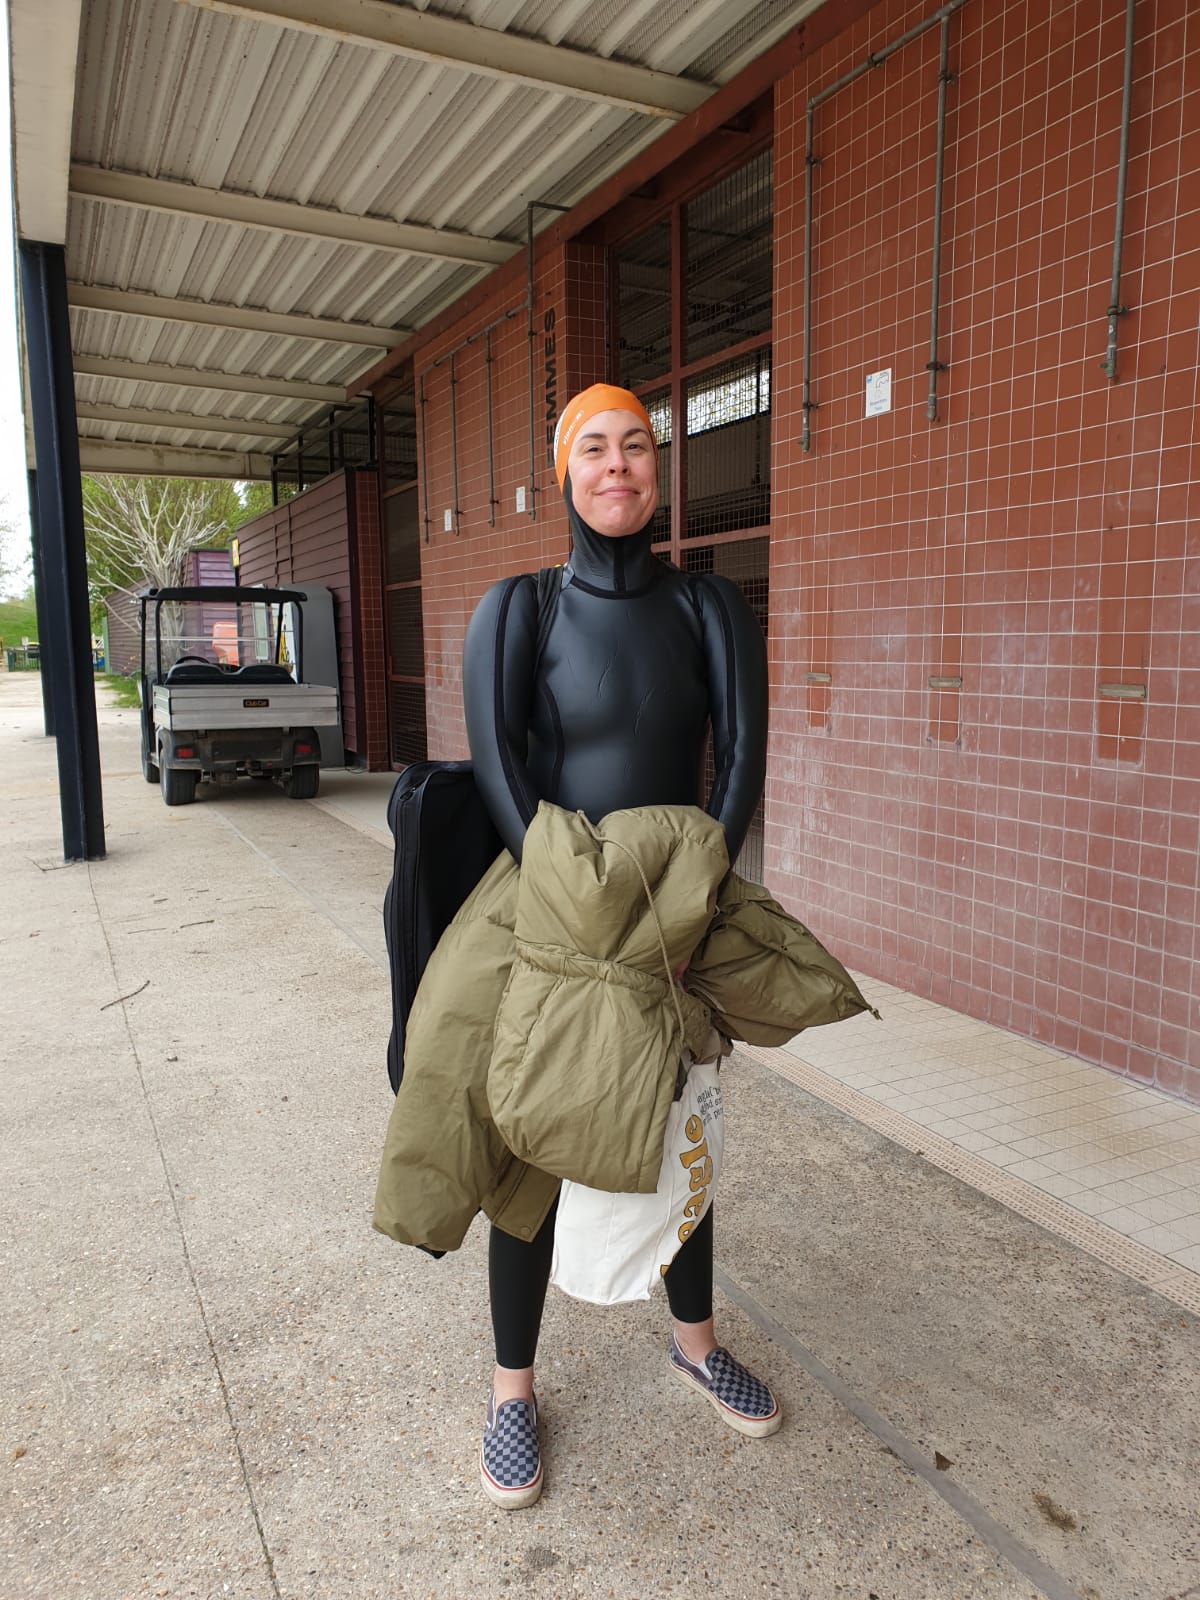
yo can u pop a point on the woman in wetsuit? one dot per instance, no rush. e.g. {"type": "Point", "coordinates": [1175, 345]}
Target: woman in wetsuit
{"type": "Point", "coordinates": [612, 712]}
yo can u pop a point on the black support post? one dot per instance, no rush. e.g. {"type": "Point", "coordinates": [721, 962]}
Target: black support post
{"type": "Point", "coordinates": [45, 664]}
{"type": "Point", "coordinates": [67, 642]}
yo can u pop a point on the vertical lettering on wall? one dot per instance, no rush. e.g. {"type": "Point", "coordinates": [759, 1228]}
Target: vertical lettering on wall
{"type": "Point", "coordinates": [551, 393]}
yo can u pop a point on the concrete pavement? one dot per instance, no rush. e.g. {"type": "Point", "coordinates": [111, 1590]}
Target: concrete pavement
{"type": "Point", "coordinates": [219, 1381]}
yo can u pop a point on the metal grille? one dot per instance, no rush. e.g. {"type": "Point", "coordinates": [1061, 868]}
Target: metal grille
{"type": "Point", "coordinates": [729, 447]}
{"type": "Point", "coordinates": [339, 437]}
{"type": "Point", "coordinates": [402, 541]}
{"type": "Point", "coordinates": [407, 703]}
{"type": "Point", "coordinates": [398, 436]}
{"type": "Point", "coordinates": [643, 277]}
{"type": "Point", "coordinates": [746, 563]}
{"type": "Point", "coordinates": [406, 636]}
{"type": "Point", "coordinates": [658, 408]}
{"type": "Point", "coordinates": [727, 276]}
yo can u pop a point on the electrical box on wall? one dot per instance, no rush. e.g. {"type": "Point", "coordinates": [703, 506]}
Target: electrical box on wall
{"type": "Point", "coordinates": [521, 498]}
{"type": "Point", "coordinates": [447, 519]}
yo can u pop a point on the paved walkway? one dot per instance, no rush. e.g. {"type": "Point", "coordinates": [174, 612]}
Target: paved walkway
{"type": "Point", "coordinates": [219, 1381]}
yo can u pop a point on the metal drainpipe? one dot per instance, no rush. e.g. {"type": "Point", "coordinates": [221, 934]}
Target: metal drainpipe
{"type": "Point", "coordinates": [1115, 309]}
{"type": "Point", "coordinates": [443, 360]}
{"type": "Point", "coordinates": [933, 366]}
{"type": "Point", "coordinates": [534, 205]}
{"type": "Point", "coordinates": [806, 403]}
{"type": "Point", "coordinates": [423, 462]}
{"type": "Point", "coordinates": [876, 58]}
{"type": "Point", "coordinates": [487, 375]}
{"type": "Point", "coordinates": [454, 444]}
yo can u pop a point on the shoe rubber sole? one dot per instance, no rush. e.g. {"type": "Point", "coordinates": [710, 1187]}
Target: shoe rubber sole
{"type": "Point", "coordinates": [754, 1427]}
{"type": "Point", "coordinates": [510, 1499]}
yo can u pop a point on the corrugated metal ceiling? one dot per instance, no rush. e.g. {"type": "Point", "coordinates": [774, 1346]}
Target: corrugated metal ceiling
{"type": "Point", "coordinates": [172, 91]}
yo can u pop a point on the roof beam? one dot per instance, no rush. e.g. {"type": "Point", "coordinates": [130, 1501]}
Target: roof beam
{"type": "Point", "coordinates": [162, 461]}
{"type": "Point", "coordinates": [284, 216]}
{"type": "Point", "coordinates": [186, 422]}
{"type": "Point", "coordinates": [42, 50]}
{"type": "Point", "coordinates": [247, 319]}
{"type": "Point", "coordinates": [450, 42]}
{"type": "Point", "coordinates": [198, 378]}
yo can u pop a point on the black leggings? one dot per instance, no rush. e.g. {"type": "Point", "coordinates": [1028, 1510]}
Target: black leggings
{"type": "Point", "coordinates": [519, 1270]}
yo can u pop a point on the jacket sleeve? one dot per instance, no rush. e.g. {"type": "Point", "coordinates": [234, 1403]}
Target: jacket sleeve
{"type": "Point", "coordinates": [736, 655]}
{"type": "Point", "coordinates": [499, 660]}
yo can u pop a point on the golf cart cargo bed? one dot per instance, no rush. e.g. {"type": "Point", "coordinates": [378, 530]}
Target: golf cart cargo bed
{"type": "Point", "coordinates": [189, 707]}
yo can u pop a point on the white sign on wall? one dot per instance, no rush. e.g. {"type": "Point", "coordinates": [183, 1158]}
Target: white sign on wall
{"type": "Point", "coordinates": [879, 392]}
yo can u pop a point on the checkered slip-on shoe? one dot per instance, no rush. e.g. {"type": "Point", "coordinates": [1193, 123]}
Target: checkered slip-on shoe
{"type": "Point", "coordinates": [743, 1400]}
{"type": "Point", "coordinates": [510, 1461]}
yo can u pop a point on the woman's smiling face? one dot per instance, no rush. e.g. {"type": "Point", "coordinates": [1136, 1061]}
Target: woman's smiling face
{"type": "Point", "coordinates": [614, 474]}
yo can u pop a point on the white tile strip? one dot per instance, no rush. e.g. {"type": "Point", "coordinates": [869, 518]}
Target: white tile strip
{"type": "Point", "coordinates": [1007, 1184]}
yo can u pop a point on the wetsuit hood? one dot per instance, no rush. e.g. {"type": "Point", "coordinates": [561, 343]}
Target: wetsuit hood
{"type": "Point", "coordinates": [613, 566]}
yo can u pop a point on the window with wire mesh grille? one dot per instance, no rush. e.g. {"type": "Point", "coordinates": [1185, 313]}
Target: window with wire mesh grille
{"type": "Point", "coordinates": [398, 441]}
{"type": "Point", "coordinates": [727, 274]}
{"type": "Point", "coordinates": [729, 447]}
{"type": "Point", "coordinates": [658, 409]}
{"type": "Point", "coordinates": [402, 540]}
{"type": "Point", "coordinates": [406, 704]}
{"type": "Point", "coordinates": [406, 635]}
{"type": "Point", "coordinates": [644, 286]}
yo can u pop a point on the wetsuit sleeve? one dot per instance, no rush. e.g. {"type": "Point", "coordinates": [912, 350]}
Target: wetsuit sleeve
{"type": "Point", "coordinates": [736, 655]}
{"type": "Point", "coordinates": [499, 660]}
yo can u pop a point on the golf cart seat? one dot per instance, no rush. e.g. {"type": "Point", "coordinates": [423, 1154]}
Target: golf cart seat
{"type": "Point", "coordinates": [263, 672]}
{"type": "Point", "coordinates": [196, 672]}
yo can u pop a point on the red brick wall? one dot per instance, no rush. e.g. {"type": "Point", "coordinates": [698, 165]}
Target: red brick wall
{"type": "Point", "coordinates": [457, 566]}
{"type": "Point", "coordinates": [1022, 848]}
{"type": "Point", "coordinates": [1019, 847]}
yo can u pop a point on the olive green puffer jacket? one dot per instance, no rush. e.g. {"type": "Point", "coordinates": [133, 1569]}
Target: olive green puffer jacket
{"type": "Point", "coordinates": [545, 1038]}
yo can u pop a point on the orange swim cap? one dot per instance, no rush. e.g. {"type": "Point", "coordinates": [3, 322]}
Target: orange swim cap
{"type": "Point", "coordinates": [600, 397]}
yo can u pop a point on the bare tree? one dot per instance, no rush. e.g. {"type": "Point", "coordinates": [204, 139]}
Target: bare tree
{"type": "Point", "coordinates": [139, 530]}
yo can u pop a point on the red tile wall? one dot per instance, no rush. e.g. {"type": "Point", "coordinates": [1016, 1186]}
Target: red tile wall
{"type": "Point", "coordinates": [1021, 848]}
{"type": "Point", "coordinates": [457, 566]}
{"type": "Point", "coordinates": [1017, 845]}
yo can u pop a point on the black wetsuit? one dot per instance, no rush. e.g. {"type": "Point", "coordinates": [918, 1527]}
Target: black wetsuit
{"type": "Point", "coordinates": [639, 658]}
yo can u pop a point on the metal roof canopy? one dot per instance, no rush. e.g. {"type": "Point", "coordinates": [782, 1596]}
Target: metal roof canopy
{"type": "Point", "coordinates": [259, 197]}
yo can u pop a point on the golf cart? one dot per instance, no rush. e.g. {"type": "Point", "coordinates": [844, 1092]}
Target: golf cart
{"type": "Point", "coordinates": [223, 693]}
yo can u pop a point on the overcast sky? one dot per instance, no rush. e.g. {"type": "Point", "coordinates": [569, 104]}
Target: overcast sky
{"type": "Point", "coordinates": [14, 509]}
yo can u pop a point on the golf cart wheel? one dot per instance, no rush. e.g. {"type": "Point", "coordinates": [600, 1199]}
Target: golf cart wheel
{"type": "Point", "coordinates": [178, 786]}
{"type": "Point", "coordinates": [302, 783]}
{"type": "Point", "coordinates": [149, 770]}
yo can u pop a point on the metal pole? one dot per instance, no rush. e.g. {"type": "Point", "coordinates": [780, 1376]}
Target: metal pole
{"type": "Point", "coordinates": [487, 375]}
{"type": "Point", "coordinates": [876, 58]}
{"type": "Point", "coordinates": [1115, 309]}
{"type": "Point", "coordinates": [60, 527]}
{"type": "Point", "coordinates": [39, 600]}
{"type": "Point", "coordinates": [933, 366]}
{"type": "Point", "coordinates": [423, 458]}
{"type": "Point", "coordinates": [806, 403]}
{"type": "Point", "coordinates": [454, 446]}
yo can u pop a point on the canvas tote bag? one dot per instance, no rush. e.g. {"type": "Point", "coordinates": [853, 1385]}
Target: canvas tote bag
{"type": "Point", "coordinates": [612, 1247]}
